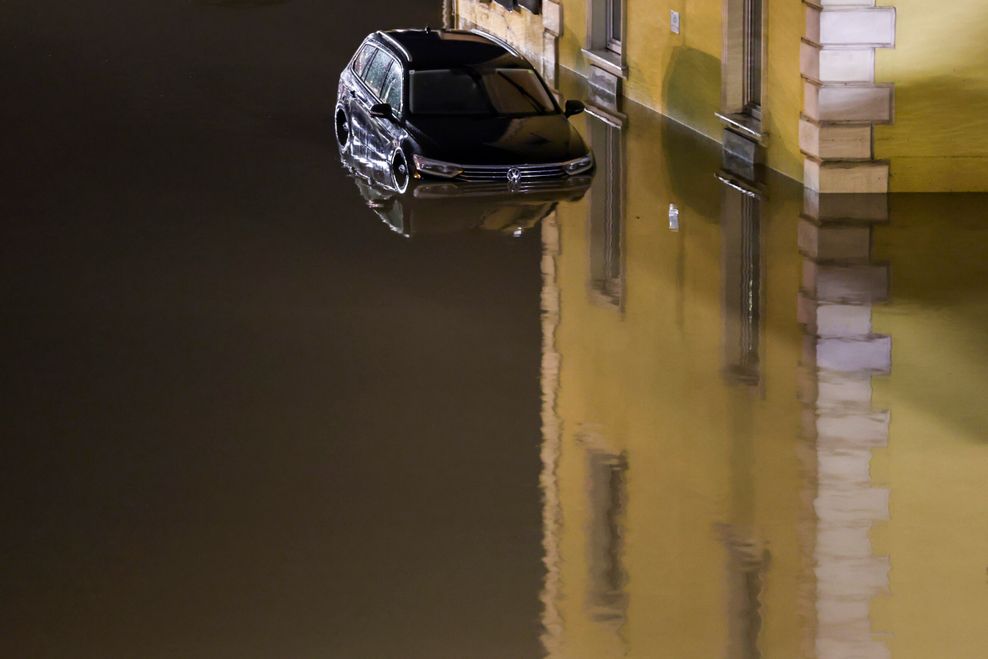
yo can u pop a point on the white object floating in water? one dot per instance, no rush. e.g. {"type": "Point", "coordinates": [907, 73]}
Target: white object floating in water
{"type": "Point", "coordinates": [673, 218]}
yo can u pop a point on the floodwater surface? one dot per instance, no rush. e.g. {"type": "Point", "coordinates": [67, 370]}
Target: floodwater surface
{"type": "Point", "coordinates": [249, 411]}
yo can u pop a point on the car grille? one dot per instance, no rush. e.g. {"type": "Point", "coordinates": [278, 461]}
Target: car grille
{"type": "Point", "coordinates": [526, 173]}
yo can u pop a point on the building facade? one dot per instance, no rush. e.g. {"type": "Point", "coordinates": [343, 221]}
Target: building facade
{"type": "Point", "coordinates": [847, 96]}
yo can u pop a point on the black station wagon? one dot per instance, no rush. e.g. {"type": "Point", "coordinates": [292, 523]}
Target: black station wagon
{"type": "Point", "coordinates": [455, 105]}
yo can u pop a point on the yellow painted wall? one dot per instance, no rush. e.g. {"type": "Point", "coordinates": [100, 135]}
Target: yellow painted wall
{"type": "Point", "coordinates": [680, 75]}
{"type": "Point", "coordinates": [783, 87]}
{"type": "Point", "coordinates": [939, 141]}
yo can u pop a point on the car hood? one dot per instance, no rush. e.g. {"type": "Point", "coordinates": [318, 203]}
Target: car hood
{"type": "Point", "coordinates": [497, 140]}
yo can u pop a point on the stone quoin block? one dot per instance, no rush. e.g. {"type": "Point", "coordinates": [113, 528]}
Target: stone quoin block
{"type": "Point", "coordinates": [847, 102]}
{"type": "Point", "coordinates": [858, 26]}
{"type": "Point", "coordinates": [835, 141]}
{"type": "Point", "coordinates": [836, 64]}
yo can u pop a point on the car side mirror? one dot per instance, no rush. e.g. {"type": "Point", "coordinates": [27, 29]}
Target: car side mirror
{"type": "Point", "coordinates": [382, 111]}
{"type": "Point", "coordinates": [574, 107]}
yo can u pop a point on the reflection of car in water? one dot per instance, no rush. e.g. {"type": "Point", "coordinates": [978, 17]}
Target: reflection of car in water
{"type": "Point", "coordinates": [430, 206]}
{"type": "Point", "coordinates": [456, 106]}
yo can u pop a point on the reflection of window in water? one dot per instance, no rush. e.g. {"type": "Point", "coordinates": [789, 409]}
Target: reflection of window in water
{"type": "Point", "coordinates": [747, 561]}
{"type": "Point", "coordinates": [607, 489]}
{"type": "Point", "coordinates": [607, 213]}
{"type": "Point", "coordinates": [741, 235]}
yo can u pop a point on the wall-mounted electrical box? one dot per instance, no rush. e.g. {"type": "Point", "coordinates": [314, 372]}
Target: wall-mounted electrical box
{"type": "Point", "coordinates": [674, 22]}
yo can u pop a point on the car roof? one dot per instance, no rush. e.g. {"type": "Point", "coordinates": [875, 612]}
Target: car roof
{"type": "Point", "coordinates": [430, 48]}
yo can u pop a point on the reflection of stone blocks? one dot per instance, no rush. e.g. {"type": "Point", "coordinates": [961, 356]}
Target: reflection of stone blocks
{"type": "Point", "coordinates": [834, 320]}
{"type": "Point", "coordinates": [550, 59]}
{"type": "Point", "coordinates": [845, 467]}
{"type": "Point", "coordinates": [826, 242]}
{"type": "Point", "coordinates": [869, 429]}
{"type": "Point", "coordinates": [853, 207]}
{"type": "Point", "coordinates": [552, 17]}
{"type": "Point", "coordinates": [873, 354]}
{"type": "Point", "coordinates": [850, 284]}
{"type": "Point", "coordinates": [861, 505]}
{"type": "Point", "coordinates": [843, 390]}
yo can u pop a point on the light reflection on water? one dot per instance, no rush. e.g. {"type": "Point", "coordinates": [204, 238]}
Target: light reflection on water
{"type": "Point", "coordinates": [762, 434]}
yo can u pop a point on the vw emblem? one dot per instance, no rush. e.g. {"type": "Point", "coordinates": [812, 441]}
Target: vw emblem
{"type": "Point", "coordinates": [514, 176]}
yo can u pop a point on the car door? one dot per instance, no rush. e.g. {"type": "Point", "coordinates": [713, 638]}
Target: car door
{"type": "Point", "coordinates": [384, 80]}
{"type": "Point", "coordinates": [368, 95]}
{"type": "Point", "coordinates": [354, 100]}
{"type": "Point", "coordinates": [362, 97]}
{"type": "Point", "coordinates": [387, 129]}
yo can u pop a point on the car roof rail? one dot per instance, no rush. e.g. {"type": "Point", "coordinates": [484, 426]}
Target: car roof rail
{"type": "Point", "coordinates": [394, 42]}
{"type": "Point", "coordinates": [499, 41]}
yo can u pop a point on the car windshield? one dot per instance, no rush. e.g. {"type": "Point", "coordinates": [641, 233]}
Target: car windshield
{"type": "Point", "coordinates": [475, 92]}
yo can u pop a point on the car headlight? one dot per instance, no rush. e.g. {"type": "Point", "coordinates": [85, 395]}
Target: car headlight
{"type": "Point", "coordinates": [579, 165]}
{"type": "Point", "coordinates": [436, 167]}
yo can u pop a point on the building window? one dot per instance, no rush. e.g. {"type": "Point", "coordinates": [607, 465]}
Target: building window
{"type": "Point", "coordinates": [606, 35]}
{"type": "Point", "coordinates": [752, 101]}
{"type": "Point", "coordinates": [615, 26]}
{"type": "Point", "coordinates": [742, 67]}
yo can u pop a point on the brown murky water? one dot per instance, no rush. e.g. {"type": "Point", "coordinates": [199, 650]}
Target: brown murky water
{"type": "Point", "coordinates": [243, 418]}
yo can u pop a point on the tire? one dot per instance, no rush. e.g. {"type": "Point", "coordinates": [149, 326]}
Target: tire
{"type": "Point", "coordinates": [342, 124]}
{"type": "Point", "coordinates": [400, 171]}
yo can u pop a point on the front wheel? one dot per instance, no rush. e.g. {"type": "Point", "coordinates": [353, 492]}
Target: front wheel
{"type": "Point", "coordinates": [399, 171]}
{"type": "Point", "coordinates": [342, 129]}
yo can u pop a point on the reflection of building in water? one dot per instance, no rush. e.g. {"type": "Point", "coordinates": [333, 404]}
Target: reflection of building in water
{"type": "Point", "coordinates": [741, 258]}
{"type": "Point", "coordinates": [689, 514]}
{"type": "Point", "coordinates": [656, 472]}
{"type": "Point", "coordinates": [841, 283]}
{"type": "Point", "coordinates": [606, 211]}
{"type": "Point", "coordinates": [606, 496]}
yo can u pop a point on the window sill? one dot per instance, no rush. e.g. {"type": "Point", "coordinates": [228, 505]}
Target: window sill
{"type": "Point", "coordinates": [744, 124]}
{"type": "Point", "coordinates": [606, 60]}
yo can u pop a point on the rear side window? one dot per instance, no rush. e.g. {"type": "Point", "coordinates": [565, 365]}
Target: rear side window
{"type": "Point", "coordinates": [377, 71]}
{"type": "Point", "coordinates": [363, 59]}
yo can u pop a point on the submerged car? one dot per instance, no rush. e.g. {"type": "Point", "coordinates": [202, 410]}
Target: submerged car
{"type": "Point", "coordinates": [455, 105]}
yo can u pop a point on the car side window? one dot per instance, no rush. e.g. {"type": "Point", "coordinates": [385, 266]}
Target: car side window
{"type": "Point", "coordinates": [377, 71]}
{"type": "Point", "coordinates": [392, 87]}
{"type": "Point", "coordinates": [363, 59]}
